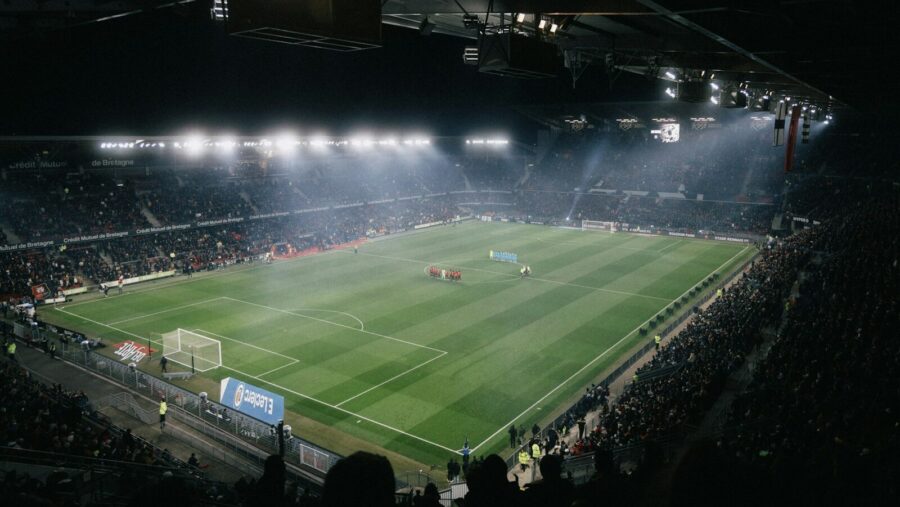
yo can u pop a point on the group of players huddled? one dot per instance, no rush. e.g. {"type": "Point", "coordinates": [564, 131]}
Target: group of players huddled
{"type": "Point", "coordinates": [445, 274]}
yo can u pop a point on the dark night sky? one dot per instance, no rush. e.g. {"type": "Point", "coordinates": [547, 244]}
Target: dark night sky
{"type": "Point", "coordinates": [166, 72]}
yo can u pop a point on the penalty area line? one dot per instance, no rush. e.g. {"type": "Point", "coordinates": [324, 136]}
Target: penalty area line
{"type": "Point", "coordinates": [285, 389]}
{"type": "Point", "coordinates": [395, 377]}
{"type": "Point", "coordinates": [288, 312]}
{"type": "Point", "coordinates": [348, 412]}
{"type": "Point", "coordinates": [173, 309]}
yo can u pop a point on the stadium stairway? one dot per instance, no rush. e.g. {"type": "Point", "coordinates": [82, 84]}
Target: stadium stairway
{"type": "Point", "coordinates": [150, 216]}
{"type": "Point", "coordinates": [174, 438]}
{"type": "Point", "coordinates": [776, 221]}
{"type": "Point", "coordinates": [11, 236]}
{"type": "Point", "coordinates": [246, 197]}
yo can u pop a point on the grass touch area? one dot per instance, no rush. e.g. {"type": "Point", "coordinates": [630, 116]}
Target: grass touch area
{"type": "Point", "coordinates": [370, 352]}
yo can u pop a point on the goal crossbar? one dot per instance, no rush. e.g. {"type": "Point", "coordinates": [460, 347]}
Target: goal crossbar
{"type": "Point", "coordinates": [192, 350]}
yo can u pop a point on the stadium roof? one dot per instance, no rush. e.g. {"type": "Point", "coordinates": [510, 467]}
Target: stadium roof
{"type": "Point", "coordinates": [814, 49]}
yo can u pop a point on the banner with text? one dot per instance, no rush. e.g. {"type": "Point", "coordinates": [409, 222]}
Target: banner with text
{"type": "Point", "coordinates": [251, 400]}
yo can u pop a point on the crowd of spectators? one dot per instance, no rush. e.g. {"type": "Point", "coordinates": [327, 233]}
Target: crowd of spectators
{"type": "Point", "coordinates": [819, 420]}
{"type": "Point", "coordinates": [213, 247]}
{"type": "Point", "coordinates": [21, 271]}
{"type": "Point", "coordinates": [685, 215]}
{"type": "Point", "coordinates": [35, 417]}
{"type": "Point", "coordinates": [49, 204]}
{"type": "Point", "coordinates": [714, 162]}
{"type": "Point", "coordinates": [712, 346]}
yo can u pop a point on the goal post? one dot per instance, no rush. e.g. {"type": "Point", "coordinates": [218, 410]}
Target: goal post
{"type": "Point", "coordinates": [598, 225]}
{"type": "Point", "coordinates": [192, 350]}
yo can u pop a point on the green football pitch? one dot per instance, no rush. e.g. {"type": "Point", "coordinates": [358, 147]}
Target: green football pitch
{"type": "Point", "coordinates": [367, 345]}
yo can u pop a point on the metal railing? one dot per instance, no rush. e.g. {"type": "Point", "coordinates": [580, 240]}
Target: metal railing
{"type": "Point", "coordinates": [241, 434]}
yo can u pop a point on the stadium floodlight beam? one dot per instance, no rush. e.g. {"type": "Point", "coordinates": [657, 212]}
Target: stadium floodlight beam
{"type": "Point", "coordinates": [318, 142]}
{"type": "Point", "coordinates": [193, 143]}
{"type": "Point", "coordinates": [287, 143]}
{"type": "Point", "coordinates": [227, 143]}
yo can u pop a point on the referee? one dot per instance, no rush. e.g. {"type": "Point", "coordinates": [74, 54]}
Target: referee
{"type": "Point", "coordinates": [163, 408]}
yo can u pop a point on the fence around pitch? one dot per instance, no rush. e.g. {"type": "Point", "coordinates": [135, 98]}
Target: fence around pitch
{"type": "Point", "coordinates": [512, 460]}
{"type": "Point", "coordinates": [207, 417]}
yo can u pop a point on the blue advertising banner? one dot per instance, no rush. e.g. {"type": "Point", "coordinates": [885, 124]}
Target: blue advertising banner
{"type": "Point", "coordinates": [251, 400]}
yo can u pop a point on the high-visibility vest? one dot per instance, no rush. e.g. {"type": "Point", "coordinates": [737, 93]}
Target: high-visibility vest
{"type": "Point", "coordinates": [163, 408]}
{"type": "Point", "coordinates": [523, 457]}
{"type": "Point", "coordinates": [535, 451]}
{"type": "Point", "coordinates": [657, 339]}
{"type": "Point", "coordinates": [719, 293]}
{"type": "Point", "coordinates": [11, 349]}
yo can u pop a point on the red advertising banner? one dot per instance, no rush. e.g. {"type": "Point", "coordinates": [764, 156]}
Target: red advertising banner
{"type": "Point", "coordinates": [132, 351]}
{"type": "Point", "coordinates": [40, 292]}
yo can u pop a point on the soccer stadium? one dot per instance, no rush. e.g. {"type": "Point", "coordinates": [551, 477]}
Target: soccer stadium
{"type": "Point", "coordinates": [303, 254]}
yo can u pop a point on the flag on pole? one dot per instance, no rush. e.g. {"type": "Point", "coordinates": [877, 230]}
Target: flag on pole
{"type": "Point", "coordinates": [780, 112]}
{"type": "Point", "coordinates": [805, 139]}
{"type": "Point", "coordinates": [792, 138]}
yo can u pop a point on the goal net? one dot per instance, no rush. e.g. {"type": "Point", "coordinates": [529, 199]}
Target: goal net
{"type": "Point", "coordinates": [195, 351]}
{"type": "Point", "coordinates": [597, 225]}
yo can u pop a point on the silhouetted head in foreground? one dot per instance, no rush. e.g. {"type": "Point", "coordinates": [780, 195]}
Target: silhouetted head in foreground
{"type": "Point", "coordinates": [361, 479]}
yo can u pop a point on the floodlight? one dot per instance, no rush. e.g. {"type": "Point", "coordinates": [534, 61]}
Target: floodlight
{"type": "Point", "coordinates": [542, 24]}
{"type": "Point", "coordinates": [553, 27]}
{"type": "Point", "coordinates": [670, 75]}
{"type": "Point", "coordinates": [670, 92]}
{"type": "Point", "coordinates": [520, 17]}
{"type": "Point", "coordinates": [714, 100]}
{"type": "Point", "coordinates": [714, 86]}
{"type": "Point", "coordinates": [286, 143]}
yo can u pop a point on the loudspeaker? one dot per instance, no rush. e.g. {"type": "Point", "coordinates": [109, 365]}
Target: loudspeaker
{"type": "Point", "coordinates": [514, 55]}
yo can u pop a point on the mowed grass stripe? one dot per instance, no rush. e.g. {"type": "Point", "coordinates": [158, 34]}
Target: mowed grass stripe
{"type": "Point", "coordinates": [504, 322]}
{"type": "Point", "coordinates": [504, 362]}
{"type": "Point", "coordinates": [509, 341]}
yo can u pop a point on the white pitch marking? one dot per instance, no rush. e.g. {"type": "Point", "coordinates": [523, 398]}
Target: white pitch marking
{"type": "Point", "coordinates": [273, 370]}
{"type": "Point", "coordinates": [362, 327]}
{"type": "Point", "coordinates": [594, 360]}
{"type": "Point", "coordinates": [663, 249]}
{"type": "Point", "coordinates": [335, 407]}
{"type": "Point", "coordinates": [163, 311]}
{"type": "Point", "coordinates": [335, 324]}
{"type": "Point", "coordinates": [392, 378]}
{"type": "Point", "coordinates": [245, 343]}
{"type": "Point", "coordinates": [256, 377]}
